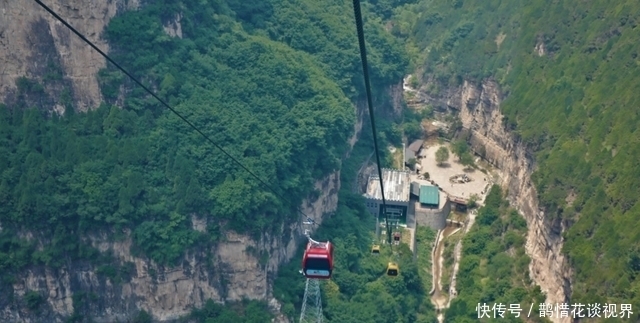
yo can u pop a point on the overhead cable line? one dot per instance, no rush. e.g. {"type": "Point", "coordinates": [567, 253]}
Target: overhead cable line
{"type": "Point", "coordinates": [365, 70]}
{"type": "Point", "coordinates": [166, 104]}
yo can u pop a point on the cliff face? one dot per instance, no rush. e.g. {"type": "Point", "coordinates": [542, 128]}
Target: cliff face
{"type": "Point", "coordinates": [236, 268]}
{"type": "Point", "coordinates": [478, 108]}
{"type": "Point", "coordinates": [34, 45]}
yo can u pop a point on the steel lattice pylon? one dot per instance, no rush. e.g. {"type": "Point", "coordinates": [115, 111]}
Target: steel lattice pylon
{"type": "Point", "coordinates": [312, 303]}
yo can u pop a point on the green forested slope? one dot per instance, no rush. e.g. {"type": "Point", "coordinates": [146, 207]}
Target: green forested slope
{"type": "Point", "coordinates": [494, 268]}
{"type": "Point", "coordinates": [576, 105]}
{"type": "Point", "coordinates": [281, 108]}
{"type": "Point", "coordinates": [326, 30]}
{"type": "Point", "coordinates": [359, 290]}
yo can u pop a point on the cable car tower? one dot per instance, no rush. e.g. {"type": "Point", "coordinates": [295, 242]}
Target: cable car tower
{"type": "Point", "coordinates": [312, 302]}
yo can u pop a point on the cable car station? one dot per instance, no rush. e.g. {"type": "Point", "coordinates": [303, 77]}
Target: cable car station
{"type": "Point", "coordinates": [396, 191]}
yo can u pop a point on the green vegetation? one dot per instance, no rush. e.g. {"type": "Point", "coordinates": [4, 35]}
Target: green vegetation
{"type": "Point", "coordinates": [412, 162]}
{"type": "Point", "coordinates": [398, 161]}
{"type": "Point", "coordinates": [241, 312]}
{"type": "Point", "coordinates": [413, 130]}
{"type": "Point", "coordinates": [473, 201]}
{"type": "Point", "coordinates": [448, 256]}
{"type": "Point", "coordinates": [569, 73]}
{"type": "Point", "coordinates": [494, 266]}
{"type": "Point", "coordinates": [327, 30]}
{"type": "Point", "coordinates": [33, 300]}
{"type": "Point", "coordinates": [411, 123]}
{"type": "Point", "coordinates": [414, 82]}
{"type": "Point", "coordinates": [442, 155]}
{"type": "Point", "coordinates": [425, 237]}
{"type": "Point", "coordinates": [359, 290]}
{"type": "Point", "coordinates": [142, 317]}
{"type": "Point", "coordinates": [141, 167]}
{"type": "Point", "coordinates": [271, 82]}
{"type": "Point", "coordinates": [461, 149]}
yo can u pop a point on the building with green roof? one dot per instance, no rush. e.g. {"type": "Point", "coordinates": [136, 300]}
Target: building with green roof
{"type": "Point", "coordinates": [429, 196]}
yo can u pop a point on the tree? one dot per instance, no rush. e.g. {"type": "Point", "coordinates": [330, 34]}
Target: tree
{"type": "Point", "coordinates": [466, 160]}
{"type": "Point", "coordinates": [473, 201]}
{"type": "Point", "coordinates": [460, 148]}
{"type": "Point", "coordinates": [33, 300]}
{"type": "Point", "coordinates": [143, 317]}
{"type": "Point", "coordinates": [414, 82]}
{"type": "Point", "coordinates": [412, 163]}
{"type": "Point", "coordinates": [272, 106]}
{"type": "Point", "coordinates": [413, 130]}
{"type": "Point", "coordinates": [442, 155]}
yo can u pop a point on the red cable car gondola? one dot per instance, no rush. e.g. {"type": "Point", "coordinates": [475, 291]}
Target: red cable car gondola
{"type": "Point", "coordinates": [317, 262]}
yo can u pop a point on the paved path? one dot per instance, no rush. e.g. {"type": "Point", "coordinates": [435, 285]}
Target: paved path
{"type": "Point", "coordinates": [412, 233]}
{"type": "Point", "coordinates": [438, 299]}
{"type": "Point", "coordinates": [441, 174]}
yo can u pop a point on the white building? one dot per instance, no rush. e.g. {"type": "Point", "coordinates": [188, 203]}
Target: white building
{"type": "Point", "coordinates": [396, 192]}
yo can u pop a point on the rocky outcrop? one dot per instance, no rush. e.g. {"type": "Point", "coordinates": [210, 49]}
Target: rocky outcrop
{"type": "Point", "coordinates": [478, 108]}
{"type": "Point", "coordinates": [35, 45]}
{"type": "Point", "coordinates": [239, 267]}
{"type": "Point", "coordinates": [396, 92]}
{"type": "Point", "coordinates": [236, 268]}
{"type": "Point", "coordinates": [173, 27]}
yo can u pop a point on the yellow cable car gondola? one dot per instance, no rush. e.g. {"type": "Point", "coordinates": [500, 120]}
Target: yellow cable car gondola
{"type": "Point", "coordinates": [375, 249]}
{"type": "Point", "coordinates": [392, 269]}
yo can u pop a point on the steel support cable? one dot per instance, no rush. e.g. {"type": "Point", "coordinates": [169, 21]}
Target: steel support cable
{"type": "Point", "coordinates": [365, 69]}
{"type": "Point", "coordinates": [164, 103]}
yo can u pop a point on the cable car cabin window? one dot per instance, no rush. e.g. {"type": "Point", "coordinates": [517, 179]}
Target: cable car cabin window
{"type": "Point", "coordinates": [317, 267]}
{"type": "Point", "coordinates": [318, 263]}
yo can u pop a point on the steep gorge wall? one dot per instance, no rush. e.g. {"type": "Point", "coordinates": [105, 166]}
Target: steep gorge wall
{"type": "Point", "coordinates": [231, 270]}
{"type": "Point", "coordinates": [478, 108]}
{"type": "Point", "coordinates": [239, 267]}
{"type": "Point", "coordinates": [35, 45]}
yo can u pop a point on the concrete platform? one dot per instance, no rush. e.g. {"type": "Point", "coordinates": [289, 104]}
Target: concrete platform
{"type": "Point", "coordinates": [441, 174]}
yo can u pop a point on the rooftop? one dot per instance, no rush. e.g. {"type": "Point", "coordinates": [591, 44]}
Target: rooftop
{"type": "Point", "coordinates": [408, 154]}
{"type": "Point", "coordinates": [429, 195]}
{"type": "Point", "coordinates": [458, 200]}
{"type": "Point", "coordinates": [396, 186]}
{"type": "Point", "coordinates": [415, 188]}
{"type": "Point", "coordinates": [416, 145]}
